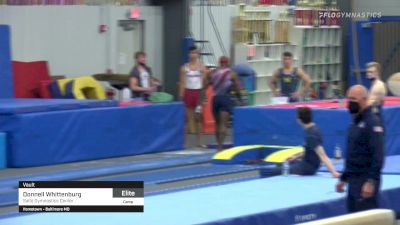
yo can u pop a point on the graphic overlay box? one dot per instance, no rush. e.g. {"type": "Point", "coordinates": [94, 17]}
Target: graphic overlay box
{"type": "Point", "coordinates": [81, 196]}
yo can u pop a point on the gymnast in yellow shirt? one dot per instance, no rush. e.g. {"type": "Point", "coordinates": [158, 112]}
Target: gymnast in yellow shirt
{"type": "Point", "coordinates": [377, 91]}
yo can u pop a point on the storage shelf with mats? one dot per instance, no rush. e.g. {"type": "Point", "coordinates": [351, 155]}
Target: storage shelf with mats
{"type": "Point", "coordinates": [265, 59]}
{"type": "Point", "coordinates": [319, 49]}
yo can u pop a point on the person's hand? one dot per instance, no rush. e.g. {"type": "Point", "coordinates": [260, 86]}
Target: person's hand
{"type": "Point", "coordinates": [367, 190]}
{"type": "Point", "coordinates": [336, 174]}
{"type": "Point", "coordinates": [297, 94]}
{"type": "Point", "coordinates": [291, 159]}
{"type": "Point", "coordinates": [277, 94]}
{"type": "Point", "coordinates": [150, 90]}
{"type": "Point", "coordinates": [156, 83]}
{"type": "Point", "coordinates": [340, 186]}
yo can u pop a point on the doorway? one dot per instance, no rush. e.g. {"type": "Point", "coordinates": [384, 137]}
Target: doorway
{"type": "Point", "coordinates": [130, 39]}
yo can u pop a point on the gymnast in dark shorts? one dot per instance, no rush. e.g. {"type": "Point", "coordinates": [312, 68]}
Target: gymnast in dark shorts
{"type": "Point", "coordinates": [222, 80]}
{"type": "Point", "coordinates": [308, 162]}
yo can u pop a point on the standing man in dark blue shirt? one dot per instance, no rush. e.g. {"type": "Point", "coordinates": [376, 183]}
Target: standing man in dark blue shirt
{"type": "Point", "coordinates": [365, 154]}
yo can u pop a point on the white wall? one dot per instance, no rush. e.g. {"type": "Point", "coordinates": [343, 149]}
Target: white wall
{"type": "Point", "coordinates": [223, 17]}
{"type": "Point", "coordinates": [153, 28]}
{"type": "Point", "coordinates": [68, 36]}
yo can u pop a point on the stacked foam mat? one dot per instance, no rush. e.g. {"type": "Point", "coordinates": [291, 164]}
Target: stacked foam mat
{"type": "Point", "coordinates": [48, 132]}
{"type": "Point", "coordinates": [6, 82]}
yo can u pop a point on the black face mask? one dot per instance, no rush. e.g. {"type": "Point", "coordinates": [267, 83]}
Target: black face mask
{"type": "Point", "coordinates": [353, 107]}
{"type": "Point", "coordinates": [142, 64]}
{"type": "Point", "coordinates": [371, 78]}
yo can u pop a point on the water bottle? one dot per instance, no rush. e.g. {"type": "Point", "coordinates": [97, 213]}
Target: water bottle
{"type": "Point", "coordinates": [285, 168]}
{"type": "Point", "coordinates": [338, 152]}
{"type": "Point", "coordinates": [126, 95]}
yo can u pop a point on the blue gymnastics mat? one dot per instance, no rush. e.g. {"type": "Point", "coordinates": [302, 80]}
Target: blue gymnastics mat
{"type": "Point", "coordinates": [391, 166]}
{"type": "Point", "coordinates": [21, 105]}
{"type": "Point", "coordinates": [55, 137]}
{"type": "Point", "coordinates": [278, 126]}
{"type": "Point", "coordinates": [172, 175]}
{"type": "Point", "coordinates": [96, 171]}
{"type": "Point", "coordinates": [6, 75]}
{"type": "Point", "coordinates": [10, 196]}
{"type": "Point", "coordinates": [271, 201]}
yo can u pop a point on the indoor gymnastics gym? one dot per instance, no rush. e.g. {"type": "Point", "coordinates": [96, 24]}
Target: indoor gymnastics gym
{"type": "Point", "coordinates": [85, 137]}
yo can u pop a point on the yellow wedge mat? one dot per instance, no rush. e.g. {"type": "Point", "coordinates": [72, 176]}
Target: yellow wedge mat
{"type": "Point", "coordinates": [228, 154]}
{"type": "Point", "coordinates": [283, 155]}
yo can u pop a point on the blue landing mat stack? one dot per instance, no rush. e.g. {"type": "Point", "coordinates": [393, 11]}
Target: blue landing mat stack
{"type": "Point", "coordinates": [44, 133]}
{"type": "Point", "coordinates": [6, 79]}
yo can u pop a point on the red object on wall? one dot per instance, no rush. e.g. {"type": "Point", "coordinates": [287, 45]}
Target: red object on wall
{"type": "Point", "coordinates": [135, 13]}
{"type": "Point", "coordinates": [273, 2]}
{"type": "Point", "coordinates": [27, 78]}
{"type": "Point", "coordinates": [103, 28]}
{"type": "Point", "coordinates": [208, 122]}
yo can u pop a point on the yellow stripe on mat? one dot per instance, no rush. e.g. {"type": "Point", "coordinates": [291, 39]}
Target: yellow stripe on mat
{"type": "Point", "coordinates": [283, 155]}
{"type": "Point", "coordinates": [230, 153]}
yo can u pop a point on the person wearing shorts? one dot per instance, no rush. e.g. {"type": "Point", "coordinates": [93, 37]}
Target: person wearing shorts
{"type": "Point", "coordinates": [377, 91]}
{"type": "Point", "coordinates": [191, 90]}
{"type": "Point", "coordinates": [308, 162]}
{"type": "Point", "coordinates": [222, 80]}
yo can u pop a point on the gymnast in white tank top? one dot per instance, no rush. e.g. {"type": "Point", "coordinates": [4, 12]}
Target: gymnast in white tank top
{"type": "Point", "coordinates": [193, 78]}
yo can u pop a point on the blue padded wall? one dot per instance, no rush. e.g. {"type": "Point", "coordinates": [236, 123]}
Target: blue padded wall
{"type": "Point", "coordinates": [6, 81]}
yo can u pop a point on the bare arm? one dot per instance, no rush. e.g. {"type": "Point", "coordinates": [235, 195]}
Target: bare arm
{"type": "Point", "coordinates": [273, 83]}
{"type": "Point", "coordinates": [155, 81]}
{"type": "Point", "coordinates": [133, 85]}
{"type": "Point", "coordinates": [205, 73]}
{"type": "Point", "coordinates": [306, 81]}
{"type": "Point", "coordinates": [205, 80]}
{"type": "Point", "coordinates": [325, 159]}
{"type": "Point", "coordinates": [182, 80]}
{"type": "Point", "coordinates": [377, 94]}
{"type": "Point", "coordinates": [236, 85]}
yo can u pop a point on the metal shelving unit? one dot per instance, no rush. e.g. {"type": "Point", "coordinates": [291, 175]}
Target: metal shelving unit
{"type": "Point", "coordinates": [265, 59]}
{"type": "Point", "coordinates": [320, 53]}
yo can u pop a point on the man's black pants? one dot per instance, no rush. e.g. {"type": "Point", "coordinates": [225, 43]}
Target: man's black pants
{"type": "Point", "coordinates": [355, 202]}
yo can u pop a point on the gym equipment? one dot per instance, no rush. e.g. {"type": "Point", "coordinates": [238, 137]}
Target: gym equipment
{"type": "Point", "coordinates": [259, 153]}
{"type": "Point", "coordinates": [85, 87]}
{"type": "Point", "coordinates": [394, 84]}
{"type": "Point", "coordinates": [6, 78]}
{"type": "Point", "coordinates": [370, 217]}
{"type": "Point", "coordinates": [3, 151]}
{"type": "Point", "coordinates": [160, 97]}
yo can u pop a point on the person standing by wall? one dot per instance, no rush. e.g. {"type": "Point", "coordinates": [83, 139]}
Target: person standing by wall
{"type": "Point", "coordinates": [192, 78]}
{"type": "Point", "coordinates": [377, 92]}
{"type": "Point", "coordinates": [288, 80]}
{"type": "Point", "coordinates": [222, 80]}
{"type": "Point", "coordinates": [141, 81]}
